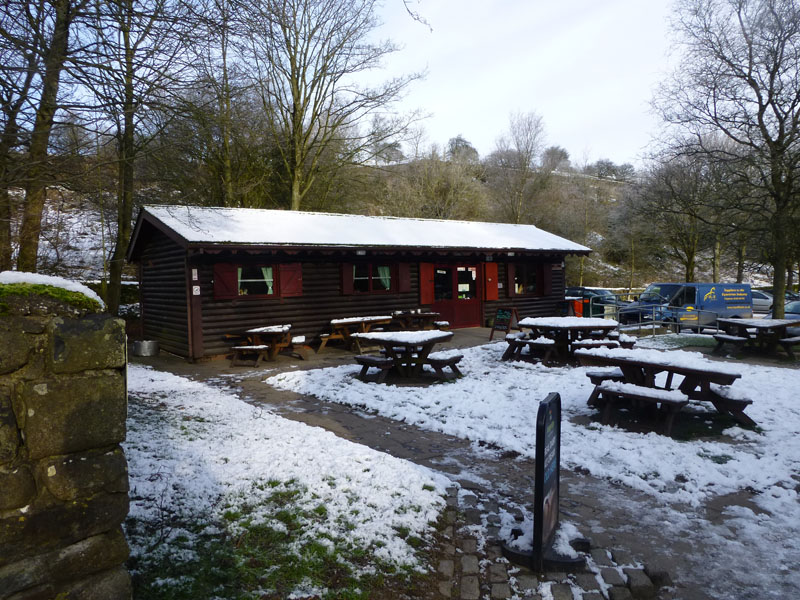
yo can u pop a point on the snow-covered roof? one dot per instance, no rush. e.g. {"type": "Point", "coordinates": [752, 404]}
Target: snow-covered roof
{"type": "Point", "coordinates": [247, 226]}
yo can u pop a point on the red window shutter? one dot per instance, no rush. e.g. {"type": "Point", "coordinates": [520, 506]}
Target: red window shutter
{"type": "Point", "coordinates": [290, 279]}
{"type": "Point", "coordinates": [490, 291]}
{"type": "Point", "coordinates": [511, 289]}
{"type": "Point", "coordinates": [347, 279]}
{"type": "Point", "coordinates": [547, 279]}
{"type": "Point", "coordinates": [426, 295]}
{"type": "Point", "coordinates": [226, 281]}
{"type": "Point", "coordinates": [403, 277]}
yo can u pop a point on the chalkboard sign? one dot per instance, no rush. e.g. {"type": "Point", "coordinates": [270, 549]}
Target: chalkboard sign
{"type": "Point", "coordinates": [505, 319]}
{"type": "Point", "coordinates": [546, 477]}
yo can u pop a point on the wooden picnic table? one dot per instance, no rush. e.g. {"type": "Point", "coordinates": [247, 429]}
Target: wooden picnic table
{"type": "Point", "coordinates": [565, 331]}
{"type": "Point", "coordinates": [263, 343]}
{"type": "Point", "coordinates": [636, 379]}
{"type": "Point", "coordinates": [410, 320]}
{"type": "Point", "coordinates": [408, 350]}
{"type": "Point", "coordinates": [343, 329]}
{"type": "Point", "coordinates": [764, 335]}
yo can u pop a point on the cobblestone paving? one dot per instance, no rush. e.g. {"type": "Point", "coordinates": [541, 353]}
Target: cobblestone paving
{"type": "Point", "coordinates": [472, 566]}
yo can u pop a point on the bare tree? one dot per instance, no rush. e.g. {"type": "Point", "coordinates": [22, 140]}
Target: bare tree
{"type": "Point", "coordinates": [739, 78]}
{"type": "Point", "coordinates": [431, 187]}
{"type": "Point", "coordinates": [309, 58]}
{"type": "Point", "coordinates": [58, 19]}
{"type": "Point", "coordinates": [133, 69]}
{"type": "Point", "coordinates": [512, 169]}
{"type": "Point", "coordinates": [20, 60]}
{"type": "Point", "coordinates": [673, 196]}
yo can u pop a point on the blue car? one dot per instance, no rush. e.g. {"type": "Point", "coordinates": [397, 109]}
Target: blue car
{"type": "Point", "coordinates": [790, 311]}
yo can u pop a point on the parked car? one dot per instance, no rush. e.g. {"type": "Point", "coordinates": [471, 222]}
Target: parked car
{"type": "Point", "coordinates": [790, 311]}
{"type": "Point", "coordinates": [692, 305]}
{"type": "Point", "coordinates": [598, 299]}
{"type": "Point", "coordinates": [788, 294]}
{"type": "Point", "coordinates": [762, 301]}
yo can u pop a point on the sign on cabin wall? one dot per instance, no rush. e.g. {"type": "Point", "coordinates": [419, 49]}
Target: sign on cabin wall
{"type": "Point", "coordinates": [505, 319]}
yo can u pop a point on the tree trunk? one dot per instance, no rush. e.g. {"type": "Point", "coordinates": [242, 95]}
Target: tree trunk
{"type": "Point", "coordinates": [633, 264]}
{"type": "Point", "coordinates": [5, 228]}
{"type": "Point", "coordinates": [716, 259]}
{"type": "Point", "coordinates": [125, 188]}
{"type": "Point", "coordinates": [36, 187]}
{"type": "Point", "coordinates": [227, 168]}
{"type": "Point", "coordinates": [689, 264]}
{"type": "Point", "coordinates": [740, 251]}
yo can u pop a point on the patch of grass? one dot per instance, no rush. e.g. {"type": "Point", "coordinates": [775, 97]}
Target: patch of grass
{"type": "Point", "coordinates": [241, 557]}
{"type": "Point", "coordinates": [720, 459]}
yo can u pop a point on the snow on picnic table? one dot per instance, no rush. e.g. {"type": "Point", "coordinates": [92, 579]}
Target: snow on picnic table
{"type": "Point", "coordinates": [348, 320]}
{"type": "Point", "coordinates": [582, 322]}
{"type": "Point", "coordinates": [207, 450]}
{"type": "Point", "coordinates": [270, 329]}
{"type": "Point", "coordinates": [669, 358]}
{"type": "Point", "coordinates": [405, 337]}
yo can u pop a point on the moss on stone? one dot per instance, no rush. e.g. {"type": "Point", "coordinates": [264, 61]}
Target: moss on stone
{"type": "Point", "coordinates": [69, 297]}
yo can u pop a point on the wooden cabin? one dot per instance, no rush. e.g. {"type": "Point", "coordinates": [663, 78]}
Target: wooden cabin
{"type": "Point", "coordinates": [208, 272]}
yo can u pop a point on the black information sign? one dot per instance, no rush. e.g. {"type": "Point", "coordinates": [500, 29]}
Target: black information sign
{"type": "Point", "coordinates": [546, 480]}
{"type": "Point", "coordinates": [545, 497]}
{"type": "Point", "coordinates": [505, 319]}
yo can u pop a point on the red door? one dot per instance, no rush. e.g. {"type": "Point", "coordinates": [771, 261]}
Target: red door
{"type": "Point", "coordinates": [456, 294]}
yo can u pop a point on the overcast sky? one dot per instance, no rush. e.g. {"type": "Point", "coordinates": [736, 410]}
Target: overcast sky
{"type": "Point", "coordinates": [587, 67]}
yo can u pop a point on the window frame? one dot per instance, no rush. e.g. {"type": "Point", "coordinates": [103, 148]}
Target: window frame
{"type": "Point", "coordinates": [349, 278]}
{"type": "Point", "coordinates": [528, 268]}
{"type": "Point", "coordinates": [287, 280]}
{"type": "Point", "coordinates": [273, 283]}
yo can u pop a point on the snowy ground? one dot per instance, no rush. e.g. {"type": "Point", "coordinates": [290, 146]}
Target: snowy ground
{"type": "Point", "coordinates": [496, 402]}
{"type": "Point", "coordinates": [197, 453]}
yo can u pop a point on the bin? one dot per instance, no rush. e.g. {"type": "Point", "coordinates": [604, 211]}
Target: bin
{"type": "Point", "coordinates": [145, 348]}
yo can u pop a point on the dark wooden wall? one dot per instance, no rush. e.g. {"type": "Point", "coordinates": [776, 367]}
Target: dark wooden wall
{"type": "Point", "coordinates": [309, 314]}
{"type": "Point", "coordinates": [162, 295]}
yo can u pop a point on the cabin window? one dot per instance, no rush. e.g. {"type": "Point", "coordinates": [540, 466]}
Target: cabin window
{"type": "Point", "coordinates": [368, 278]}
{"type": "Point", "coordinates": [256, 281]}
{"type": "Point", "coordinates": [525, 279]}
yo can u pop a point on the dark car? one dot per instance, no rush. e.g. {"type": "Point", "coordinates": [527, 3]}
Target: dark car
{"type": "Point", "coordinates": [595, 299]}
{"type": "Point", "coordinates": [790, 311]}
{"type": "Point", "coordinates": [788, 294]}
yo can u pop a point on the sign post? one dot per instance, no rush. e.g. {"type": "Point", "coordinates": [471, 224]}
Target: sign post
{"type": "Point", "coordinates": [546, 491]}
{"type": "Point", "coordinates": [505, 319]}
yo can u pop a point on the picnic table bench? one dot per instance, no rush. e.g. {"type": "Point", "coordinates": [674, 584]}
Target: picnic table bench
{"type": "Point", "coordinates": [787, 343]}
{"type": "Point", "coordinates": [382, 363]}
{"type": "Point", "coordinates": [764, 335]}
{"type": "Point", "coordinates": [700, 380]}
{"type": "Point", "coordinates": [669, 401]}
{"type": "Point", "coordinates": [541, 348]}
{"type": "Point", "coordinates": [413, 320]}
{"type": "Point", "coordinates": [725, 338]}
{"type": "Point", "coordinates": [566, 331]}
{"type": "Point", "coordinates": [409, 350]}
{"type": "Point", "coordinates": [439, 362]}
{"type": "Point", "coordinates": [265, 343]}
{"type": "Point", "coordinates": [343, 329]}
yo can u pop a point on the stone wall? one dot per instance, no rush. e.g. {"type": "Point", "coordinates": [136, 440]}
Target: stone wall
{"type": "Point", "coordinates": [63, 476]}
